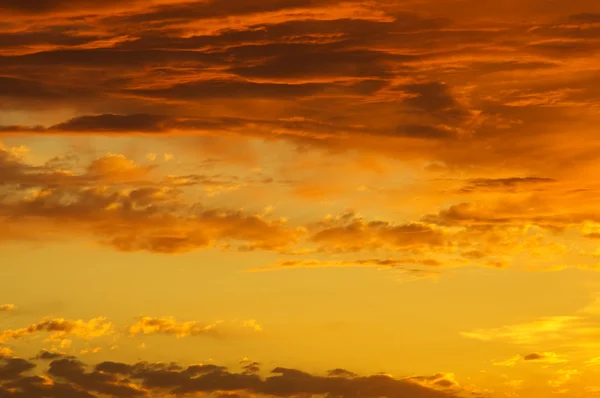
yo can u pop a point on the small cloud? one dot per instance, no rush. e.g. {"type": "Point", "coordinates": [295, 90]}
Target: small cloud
{"type": "Point", "coordinates": [169, 326]}
{"type": "Point", "coordinates": [538, 357]}
{"type": "Point", "coordinates": [7, 307]}
{"type": "Point", "coordinates": [562, 377]}
{"type": "Point", "coordinates": [167, 157]}
{"type": "Point", "coordinates": [251, 323]}
{"type": "Point", "coordinates": [49, 355]}
{"type": "Point", "coordinates": [94, 350]}
{"type": "Point", "coordinates": [509, 362]}
{"type": "Point", "coordinates": [66, 343]}
{"type": "Point", "coordinates": [546, 357]}
{"type": "Point", "coordinates": [151, 157]}
{"type": "Point", "coordinates": [6, 352]}
{"type": "Point", "coordinates": [60, 328]}
{"type": "Point", "coordinates": [516, 384]}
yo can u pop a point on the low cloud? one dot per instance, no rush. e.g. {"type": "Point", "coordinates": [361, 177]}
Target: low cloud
{"type": "Point", "coordinates": [71, 376]}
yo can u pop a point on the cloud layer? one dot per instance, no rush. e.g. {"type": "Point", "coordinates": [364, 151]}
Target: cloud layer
{"type": "Point", "coordinates": [69, 376]}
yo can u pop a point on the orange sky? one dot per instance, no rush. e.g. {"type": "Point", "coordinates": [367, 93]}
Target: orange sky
{"type": "Point", "coordinates": [293, 198]}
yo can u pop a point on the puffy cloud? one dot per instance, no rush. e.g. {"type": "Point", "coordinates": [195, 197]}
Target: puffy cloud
{"type": "Point", "coordinates": [71, 377]}
{"type": "Point", "coordinates": [49, 355]}
{"type": "Point", "coordinates": [74, 372]}
{"type": "Point", "coordinates": [7, 307]}
{"type": "Point", "coordinates": [60, 328]}
{"type": "Point", "coordinates": [351, 233]}
{"type": "Point", "coordinates": [6, 352]}
{"type": "Point", "coordinates": [119, 203]}
{"type": "Point", "coordinates": [13, 368]}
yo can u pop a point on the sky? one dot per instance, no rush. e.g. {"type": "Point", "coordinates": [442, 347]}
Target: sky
{"type": "Point", "coordinates": [298, 198]}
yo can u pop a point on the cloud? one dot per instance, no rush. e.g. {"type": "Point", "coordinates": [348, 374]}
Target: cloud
{"type": "Point", "coordinates": [113, 123]}
{"type": "Point", "coordinates": [49, 355]}
{"type": "Point", "coordinates": [571, 334]}
{"type": "Point", "coordinates": [13, 368]}
{"type": "Point", "coordinates": [527, 333]}
{"type": "Point", "coordinates": [444, 381]}
{"type": "Point", "coordinates": [74, 372]}
{"type": "Point", "coordinates": [503, 184]}
{"type": "Point", "coordinates": [401, 74]}
{"type": "Point", "coordinates": [411, 269]}
{"type": "Point", "coordinates": [71, 377]}
{"type": "Point", "coordinates": [60, 328]}
{"type": "Point", "coordinates": [563, 376]}
{"type": "Point", "coordinates": [352, 233]}
{"type": "Point", "coordinates": [392, 83]}
{"type": "Point", "coordinates": [169, 326]}
{"type": "Point", "coordinates": [541, 357]}
{"type": "Point", "coordinates": [123, 206]}
{"type": "Point", "coordinates": [6, 352]}
{"type": "Point", "coordinates": [7, 307]}
{"type": "Point", "coordinates": [536, 357]}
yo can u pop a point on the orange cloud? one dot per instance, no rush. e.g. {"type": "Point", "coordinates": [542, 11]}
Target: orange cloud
{"type": "Point", "coordinates": [115, 202]}
{"type": "Point", "coordinates": [536, 357]}
{"type": "Point", "coordinates": [352, 233]}
{"type": "Point", "coordinates": [169, 326]}
{"type": "Point", "coordinates": [60, 328]}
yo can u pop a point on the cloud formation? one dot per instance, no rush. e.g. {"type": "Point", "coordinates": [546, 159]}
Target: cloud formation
{"type": "Point", "coordinates": [70, 377]}
{"type": "Point", "coordinates": [60, 328]}
{"type": "Point", "coordinates": [170, 326]}
{"type": "Point", "coordinates": [444, 86]}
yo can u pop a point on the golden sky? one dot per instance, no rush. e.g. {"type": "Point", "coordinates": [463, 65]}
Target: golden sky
{"type": "Point", "coordinates": [297, 198]}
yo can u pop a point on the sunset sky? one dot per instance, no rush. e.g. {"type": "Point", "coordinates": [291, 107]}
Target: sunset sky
{"type": "Point", "coordinates": [296, 198]}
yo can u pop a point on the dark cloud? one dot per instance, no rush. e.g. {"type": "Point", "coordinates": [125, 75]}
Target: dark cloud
{"type": "Point", "coordinates": [425, 132]}
{"type": "Point", "coordinates": [42, 7]}
{"type": "Point", "coordinates": [251, 368]}
{"type": "Point", "coordinates": [16, 88]}
{"type": "Point", "coordinates": [341, 373]}
{"type": "Point", "coordinates": [534, 357]}
{"type": "Point", "coordinates": [58, 36]}
{"type": "Point", "coordinates": [504, 184]}
{"type": "Point", "coordinates": [585, 17]}
{"type": "Point", "coordinates": [114, 123]}
{"type": "Point", "coordinates": [13, 368]}
{"type": "Point", "coordinates": [74, 372]}
{"type": "Point", "coordinates": [205, 89]}
{"type": "Point", "coordinates": [38, 387]}
{"type": "Point", "coordinates": [283, 382]}
{"type": "Point", "coordinates": [69, 377]}
{"type": "Point", "coordinates": [48, 355]}
{"type": "Point", "coordinates": [433, 97]}
{"type": "Point", "coordinates": [216, 8]}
